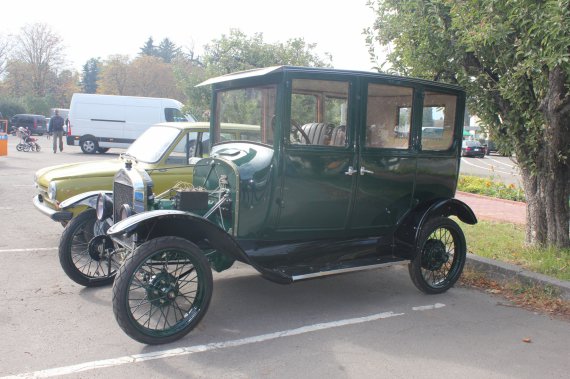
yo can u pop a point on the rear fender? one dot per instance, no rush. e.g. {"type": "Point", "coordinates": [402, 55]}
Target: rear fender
{"type": "Point", "coordinates": [88, 199]}
{"type": "Point", "coordinates": [408, 231]}
{"type": "Point", "coordinates": [160, 223]}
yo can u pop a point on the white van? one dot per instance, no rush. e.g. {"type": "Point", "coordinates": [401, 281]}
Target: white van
{"type": "Point", "coordinates": [100, 122]}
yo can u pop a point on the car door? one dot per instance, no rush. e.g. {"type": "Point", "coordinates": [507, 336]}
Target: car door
{"type": "Point", "coordinates": [386, 165]}
{"type": "Point", "coordinates": [318, 153]}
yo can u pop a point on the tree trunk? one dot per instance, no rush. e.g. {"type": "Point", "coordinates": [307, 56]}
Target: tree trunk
{"type": "Point", "coordinates": [553, 177]}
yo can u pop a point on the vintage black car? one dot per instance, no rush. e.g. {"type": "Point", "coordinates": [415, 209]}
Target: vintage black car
{"type": "Point", "coordinates": [351, 171]}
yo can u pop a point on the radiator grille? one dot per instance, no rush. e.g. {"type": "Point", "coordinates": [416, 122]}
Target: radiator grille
{"type": "Point", "coordinates": [122, 194]}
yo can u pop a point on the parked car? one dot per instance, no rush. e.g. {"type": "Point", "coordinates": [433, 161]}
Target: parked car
{"type": "Point", "coordinates": [324, 190]}
{"type": "Point", "coordinates": [156, 151]}
{"type": "Point", "coordinates": [472, 149]}
{"type": "Point", "coordinates": [35, 123]}
{"type": "Point", "coordinates": [166, 151]}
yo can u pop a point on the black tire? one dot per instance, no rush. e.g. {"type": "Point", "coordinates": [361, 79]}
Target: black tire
{"type": "Point", "coordinates": [440, 256]}
{"type": "Point", "coordinates": [38, 148]}
{"type": "Point", "coordinates": [26, 147]}
{"type": "Point", "coordinates": [80, 266]}
{"type": "Point", "coordinates": [102, 150]}
{"type": "Point", "coordinates": [89, 145]}
{"type": "Point", "coordinates": [19, 147]}
{"type": "Point", "coordinates": [154, 301]}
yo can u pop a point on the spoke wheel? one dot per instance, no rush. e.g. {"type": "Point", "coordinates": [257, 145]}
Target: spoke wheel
{"type": "Point", "coordinates": [83, 251]}
{"type": "Point", "coordinates": [162, 291]}
{"type": "Point", "coordinates": [441, 256]}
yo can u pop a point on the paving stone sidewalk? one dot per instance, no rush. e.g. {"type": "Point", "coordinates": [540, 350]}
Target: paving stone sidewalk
{"type": "Point", "coordinates": [488, 208]}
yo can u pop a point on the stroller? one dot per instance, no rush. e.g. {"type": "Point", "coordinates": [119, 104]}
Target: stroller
{"type": "Point", "coordinates": [27, 142]}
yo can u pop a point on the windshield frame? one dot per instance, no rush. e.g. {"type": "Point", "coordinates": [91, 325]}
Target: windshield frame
{"type": "Point", "coordinates": [154, 143]}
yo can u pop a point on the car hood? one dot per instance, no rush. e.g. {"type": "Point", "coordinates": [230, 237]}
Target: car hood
{"type": "Point", "coordinates": [105, 168]}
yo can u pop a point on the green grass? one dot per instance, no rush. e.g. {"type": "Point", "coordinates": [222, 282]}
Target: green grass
{"type": "Point", "coordinates": [489, 187]}
{"type": "Point", "coordinates": [505, 242]}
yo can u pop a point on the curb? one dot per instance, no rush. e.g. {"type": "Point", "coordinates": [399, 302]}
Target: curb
{"type": "Point", "coordinates": [503, 272]}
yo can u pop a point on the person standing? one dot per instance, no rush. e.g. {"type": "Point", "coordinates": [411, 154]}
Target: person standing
{"type": "Point", "coordinates": [55, 127]}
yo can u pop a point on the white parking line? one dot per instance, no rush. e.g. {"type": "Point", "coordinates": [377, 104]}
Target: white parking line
{"type": "Point", "coordinates": [503, 163]}
{"type": "Point", "coordinates": [27, 250]}
{"type": "Point", "coordinates": [489, 167]}
{"type": "Point", "coordinates": [181, 351]}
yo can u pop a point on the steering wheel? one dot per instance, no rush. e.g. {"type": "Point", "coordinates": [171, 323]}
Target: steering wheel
{"type": "Point", "coordinates": [300, 130]}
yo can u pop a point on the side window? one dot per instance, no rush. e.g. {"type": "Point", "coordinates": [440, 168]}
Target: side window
{"type": "Point", "coordinates": [388, 116]}
{"type": "Point", "coordinates": [319, 112]}
{"type": "Point", "coordinates": [183, 150]}
{"type": "Point", "coordinates": [438, 121]}
{"type": "Point", "coordinates": [173, 115]}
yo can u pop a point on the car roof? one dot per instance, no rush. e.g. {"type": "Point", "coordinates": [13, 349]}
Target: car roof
{"type": "Point", "coordinates": [281, 70]}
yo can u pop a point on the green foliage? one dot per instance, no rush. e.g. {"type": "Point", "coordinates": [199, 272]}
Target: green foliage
{"type": "Point", "coordinates": [90, 75]}
{"type": "Point", "coordinates": [500, 51]}
{"type": "Point", "coordinates": [238, 52]}
{"type": "Point", "coordinates": [10, 107]}
{"type": "Point", "coordinates": [490, 187]}
{"type": "Point", "coordinates": [166, 50]}
{"type": "Point", "coordinates": [505, 242]}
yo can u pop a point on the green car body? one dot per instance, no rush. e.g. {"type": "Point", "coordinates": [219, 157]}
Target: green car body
{"type": "Point", "coordinates": [349, 171]}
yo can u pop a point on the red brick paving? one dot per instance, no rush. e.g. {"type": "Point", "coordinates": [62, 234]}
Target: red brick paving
{"type": "Point", "coordinates": [489, 208]}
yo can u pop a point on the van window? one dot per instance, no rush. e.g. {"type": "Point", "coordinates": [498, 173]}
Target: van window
{"type": "Point", "coordinates": [438, 120]}
{"type": "Point", "coordinates": [174, 115]}
{"type": "Point", "coordinates": [388, 116]}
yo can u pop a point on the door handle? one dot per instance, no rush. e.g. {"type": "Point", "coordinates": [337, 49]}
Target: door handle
{"type": "Point", "coordinates": [350, 171]}
{"type": "Point", "coordinates": [365, 171]}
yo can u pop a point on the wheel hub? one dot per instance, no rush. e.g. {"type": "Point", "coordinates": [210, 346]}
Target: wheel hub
{"type": "Point", "coordinates": [162, 289]}
{"type": "Point", "coordinates": [434, 255]}
{"type": "Point", "coordinates": [98, 246]}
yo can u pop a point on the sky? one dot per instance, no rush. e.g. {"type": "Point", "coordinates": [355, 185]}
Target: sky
{"type": "Point", "coordinates": [100, 28]}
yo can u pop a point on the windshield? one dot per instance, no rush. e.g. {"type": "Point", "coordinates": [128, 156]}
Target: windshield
{"type": "Point", "coordinates": [245, 114]}
{"type": "Point", "coordinates": [153, 143]}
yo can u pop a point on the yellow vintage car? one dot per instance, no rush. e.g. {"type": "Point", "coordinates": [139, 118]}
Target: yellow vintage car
{"type": "Point", "coordinates": [166, 151]}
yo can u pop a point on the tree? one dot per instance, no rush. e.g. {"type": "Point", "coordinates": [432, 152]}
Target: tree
{"type": "Point", "coordinates": [39, 47]}
{"type": "Point", "coordinates": [512, 56]}
{"type": "Point", "coordinates": [5, 46]}
{"type": "Point", "coordinates": [167, 50]}
{"type": "Point", "coordinates": [114, 75]}
{"type": "Point", "coordinates": [238, 52]}
{"type": "Point", "coordinates": [149, 49]}
{"type": "Point", "coordinates": [90, 75]}
{"type": "Point", "coordinates": [150, 76]}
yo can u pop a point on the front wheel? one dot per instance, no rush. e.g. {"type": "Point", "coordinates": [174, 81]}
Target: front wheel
{"type": "Point", "coordinates": [86, 255]}
{"type": "Point", "coordinates": [440, 258]}
{"type": "Point", "coordinates": [162, 291]}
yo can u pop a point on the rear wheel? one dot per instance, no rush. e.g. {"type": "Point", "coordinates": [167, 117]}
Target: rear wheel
{"type": "Point", "coordinates": [89, 145]}
{"type": "Point", "coordinates": [441, 256]}
{"type": "Point", "coordinates": [84, 251]}
{"type": "Point", "coordinates": [162, 291]}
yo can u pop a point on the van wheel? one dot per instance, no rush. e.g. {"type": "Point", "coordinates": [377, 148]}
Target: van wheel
{"type": "Point", "coordinates": [89, 146]}
{"type": "Point", "coordinates": [102, 150]}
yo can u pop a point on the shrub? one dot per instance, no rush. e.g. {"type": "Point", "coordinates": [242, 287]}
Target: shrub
{"type": "Point", "coordinates": [490, 187]}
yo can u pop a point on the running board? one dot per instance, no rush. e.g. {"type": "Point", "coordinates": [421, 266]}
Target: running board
{"type": "Point", "coordinates": [345, 270]}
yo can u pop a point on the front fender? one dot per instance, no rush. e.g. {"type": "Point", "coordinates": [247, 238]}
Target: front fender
{"type": "Point", "coordinates": [408, 230]}
{"type": "Point", "coordinates": [159, 223]}
{"type": "Point", "coordinates": [87, 198]}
